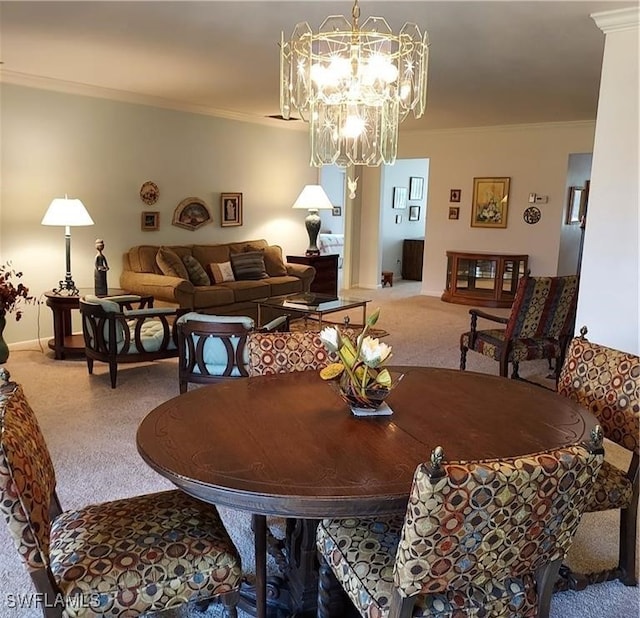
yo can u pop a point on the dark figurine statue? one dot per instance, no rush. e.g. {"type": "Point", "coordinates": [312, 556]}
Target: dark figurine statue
{"type": "Point", "coordinates": [100, 272]}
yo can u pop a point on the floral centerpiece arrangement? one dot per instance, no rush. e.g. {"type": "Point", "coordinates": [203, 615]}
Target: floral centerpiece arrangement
{"type": "Point", "coordinates": [364, 381]}
{"type": "Point", "coordinates": [11, 295]}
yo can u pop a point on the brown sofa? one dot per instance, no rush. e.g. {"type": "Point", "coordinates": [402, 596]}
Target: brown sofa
{"type": "Point", "coordinates": [142, 274]}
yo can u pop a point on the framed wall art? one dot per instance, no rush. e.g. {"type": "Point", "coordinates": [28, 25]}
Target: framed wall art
{"type": "Point", "coordinates": [191, 213]}
{"type": "Point", "coordinates": [400, 197]}
{"type": "Point", "coordinates": [454, 212]}
{"type": "Point", "coordinates": [150, 221]}
{"type": "Point", "coordinates": [230, 209]}
{"type": "Point", "coordinates": [336, 211]}
{"type": "Point", "coordinates": [398, 218]}
{"type": "Point", "coordinates": [414, 213]}
{"type": "Point", "coordinates": [454, 195]}
{"type": "Point", "coordinates": [490, 202]}
{"type": "Point", "coordinates": [416, 187]}
{"type": "Point", "coordinates": [575, 207]}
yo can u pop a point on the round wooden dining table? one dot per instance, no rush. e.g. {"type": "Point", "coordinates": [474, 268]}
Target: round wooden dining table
{"type": "Point", "coordinates": [288, 445]}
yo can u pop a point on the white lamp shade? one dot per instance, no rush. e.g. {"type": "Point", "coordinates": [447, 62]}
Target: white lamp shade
{"type": "Point", "coordinates": [313, 197]}
{"type": "Point", "coordinates": [65, 211]}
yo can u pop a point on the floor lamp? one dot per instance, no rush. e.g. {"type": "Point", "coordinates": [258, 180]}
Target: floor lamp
{"type": "Point", "coordinates": [67, 212]}
{"type": "Point", "coordinates": [312, 199]}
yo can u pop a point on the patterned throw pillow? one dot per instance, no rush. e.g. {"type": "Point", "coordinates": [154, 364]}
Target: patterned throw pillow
{"type": "Point", "coordinates": [273, 261]}
{"type": "Point", "coordinates": [170, 263]}
{"type": "Point", "coordinates": [197, 274]}
{"type": "Point", "coordinates": [248, 265]}
{"type": "Point", "coordinates": [222, 272]}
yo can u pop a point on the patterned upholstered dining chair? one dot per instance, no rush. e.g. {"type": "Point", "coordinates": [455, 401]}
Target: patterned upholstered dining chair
{"type": "Point", "coordinates": [607, 382]}
{"type": "Point", "coordinates": [120, 558]}
{"type": "Point", "coordinates": [539, 326]}
{"type": "Point", "coordinates": [479, 538]}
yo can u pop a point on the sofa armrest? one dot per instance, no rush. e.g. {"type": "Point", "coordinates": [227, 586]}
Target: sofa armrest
{"type": "Point", "coordinates": [303, 272]}
{"type": "Point", "coordinates": [162, 287]}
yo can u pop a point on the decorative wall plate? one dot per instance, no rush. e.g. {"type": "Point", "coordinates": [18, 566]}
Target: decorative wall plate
{"type": "Point", "coordinates": [532, 215]}
{"type": "Point", "coordinates": [149, 192]}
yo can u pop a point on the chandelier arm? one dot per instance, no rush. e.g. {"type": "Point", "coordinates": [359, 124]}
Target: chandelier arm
{"type": "Point", "coordinates": [355, 14]}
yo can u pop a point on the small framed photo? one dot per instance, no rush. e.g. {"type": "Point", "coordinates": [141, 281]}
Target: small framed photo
{"type": "Point", "coordinates": [575, 207]}
{"type": "Point", "coordinates": [398, 218]}
{"type": "Point", "coordinates": [230, 209]}
{"type": "Point", "coordinates": [490, 202]}
{"type": "Point", "coordinates": [150, 221]}
{"type": "Point", "coordinates": [454, 212]}
{"type": "Point", "coordinates": [416, 187]}
{"type": "Point", "coordinates": [414, 213]}
{"type": "Point", "coordinates": [454, 195]}
{"type": "Point", "coordinates": [336, 211]}
{"type": "Point", "coordinates": [400, 197]}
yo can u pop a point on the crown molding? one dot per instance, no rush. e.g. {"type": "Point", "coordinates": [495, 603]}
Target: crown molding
{"type": "Point", "coordinates": [569, 124]}
{"type": "Point", "coordinates": [617, 21]}
{"type": "Point", "coordinates": [66, 87]}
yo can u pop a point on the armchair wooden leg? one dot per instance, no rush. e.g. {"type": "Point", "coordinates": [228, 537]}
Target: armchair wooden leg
{"type": "Point", "coordinates": [627, 564]}
{"type": "Point", "coordinates": [90, 365]}
{"type": "Point", "coordinates": [514, 374]}
{"type": "Point", "coordinates": [463, 358]}
{"type": "Point", "coordinates": [230, 603]}
{"type": "Point", "coordinates": [546, 578]}
{"type": "Point", "coordinates": [324, 587]}
{"type": "Point", "coordinates": [113, 372]}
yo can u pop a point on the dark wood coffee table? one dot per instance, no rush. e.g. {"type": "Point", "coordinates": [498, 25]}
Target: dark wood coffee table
{"type": "Point", "coordinates": [310, 304]}
{"type": "Point", "coordinates": [287, 445]}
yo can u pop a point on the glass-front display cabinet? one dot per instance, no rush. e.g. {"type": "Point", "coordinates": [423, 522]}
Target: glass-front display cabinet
{"type": "Point", "coordinates": [483, 279]}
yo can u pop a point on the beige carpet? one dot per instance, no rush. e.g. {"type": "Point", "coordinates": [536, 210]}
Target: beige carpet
{"type": "Point", "coordinates": [90, 430]}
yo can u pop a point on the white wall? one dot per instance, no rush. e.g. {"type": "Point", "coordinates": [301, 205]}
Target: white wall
{"type": "Point", "coordinates": [608, 302]}
{"type": "Point", "coordinates": [333, 181]}
{"type": "Point", "coordinates": [533, 156]}
{"type": "Point", "coordinates": [394, 233]}
{"type": "Point", "coordinates": [102, 151]}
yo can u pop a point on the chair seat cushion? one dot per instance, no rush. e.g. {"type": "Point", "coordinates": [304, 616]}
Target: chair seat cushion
{"type": "Point", "coordinates": [611, 490]}
{"type": "Point", "coordinates": [362, 552]}
{"type": "Point", "coordinates": [168, 538]}
{"type": "Point", "coordinates": [490, 343]}
{"type": "Point", "coordinates": [151, 336]}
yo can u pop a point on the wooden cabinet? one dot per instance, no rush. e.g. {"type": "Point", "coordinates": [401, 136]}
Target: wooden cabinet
{"type": "Point", "coordinates": [484, 279]}
{"type": "Point", "coordinates": [412, 251]}
{"type": "Point", "coordinates": [326, 279]}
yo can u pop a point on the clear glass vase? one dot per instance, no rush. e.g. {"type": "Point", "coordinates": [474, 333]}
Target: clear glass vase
{"type": "Point", "coordinates": [369, 402]}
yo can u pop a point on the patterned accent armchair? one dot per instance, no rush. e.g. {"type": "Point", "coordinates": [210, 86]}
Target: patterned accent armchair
{"type": "Point", "coordinates": [117, 332]}
{"type": "Point", "coordinates": [607, 383]}
{"type": "Point", "coordinates": [121, 558]}
{"type": "Point", "coordinates": [212, 348]}
{"type": "Point", "coordinates": [479, 538]}
{"type": "Point", "coordinates": [539, 325]}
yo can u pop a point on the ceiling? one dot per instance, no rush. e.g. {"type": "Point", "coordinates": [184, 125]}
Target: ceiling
{"type": "Point", "coordinates": [491, 63]}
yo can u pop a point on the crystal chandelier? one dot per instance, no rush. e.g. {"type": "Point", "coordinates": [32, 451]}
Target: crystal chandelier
{"type": "Point", "coordinates": [353, 84]}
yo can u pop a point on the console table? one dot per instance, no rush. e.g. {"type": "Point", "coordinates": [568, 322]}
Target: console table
{"type": "Point", "coordinates": [326, 279]}
{"type": "Point", "coordinates": [483, 278]}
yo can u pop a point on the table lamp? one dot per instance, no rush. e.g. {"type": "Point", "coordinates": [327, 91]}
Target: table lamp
{"type": "Point", "coordinates": [67, 212]}
{"type": "Point", "coordinates": [312, 198]}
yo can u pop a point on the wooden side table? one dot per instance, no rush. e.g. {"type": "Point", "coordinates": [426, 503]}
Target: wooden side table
{"type": "Point", "coordinates": [326, 279]}
{"type": "Point", "coordinates": [64, 341]}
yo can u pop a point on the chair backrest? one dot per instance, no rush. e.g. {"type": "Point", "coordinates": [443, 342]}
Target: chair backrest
{"type": "Point", "coordinates": [211, 345]}
{"type": "Point", "coordinates": [271, 353]}
{"type": "Point", "coordinates": [27, 479]}
{"type": "Point", "coordinates": [544, 307]}
{"type": "Point", "coordinates": [476, 524]}
{"type": "Point", "coordinates": [607, 383]}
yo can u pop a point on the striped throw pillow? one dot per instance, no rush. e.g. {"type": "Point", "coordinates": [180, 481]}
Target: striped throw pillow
{"type": "Point", "coordinates": [197, 274]}
{"type": "Point", "coordinates": [248, 265]}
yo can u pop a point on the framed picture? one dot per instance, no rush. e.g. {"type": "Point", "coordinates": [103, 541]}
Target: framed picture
{"type": "Point", "coordinates": [400, 197]}
{"type": "Point", "coordinates": [454, 195]}
{"type": "Point", "coordinates": [150, 221]}
{"type": "Point", "coordinates": [414, 213]}
{"type": "Point", "coordinates": [398, 218]}
{"type": "Point", "coordinates": [191, 213]}
{"type": "Point", "coordinates": [416, 188]}
{"type": "Point", "coordinates": [454, 212]}
{"type": "Point", "coordinates": [230, 209]}
{"type": "Point", "coordinates": [576, 205]}
{"type": "Point", "coordinates": [490, 202]}
{"type": "Point", "coordinates": [336, 211]}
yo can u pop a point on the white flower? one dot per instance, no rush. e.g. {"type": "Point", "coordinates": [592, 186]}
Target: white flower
{"type": "Point", "coordinates": [330, 338]}
{"type": "Point", "coordinates": [373, 353]}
